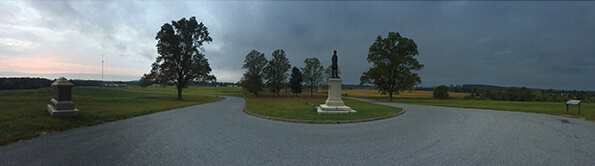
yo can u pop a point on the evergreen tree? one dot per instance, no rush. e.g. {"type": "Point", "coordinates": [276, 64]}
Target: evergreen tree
{"type": "Point", "coordinates": [296, 81]}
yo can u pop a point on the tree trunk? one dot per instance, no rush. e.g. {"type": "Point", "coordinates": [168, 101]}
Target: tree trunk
{"type": "Point", "coordinates": [180, 93]}
{"type": "Point", "coordinates": [390, 96]}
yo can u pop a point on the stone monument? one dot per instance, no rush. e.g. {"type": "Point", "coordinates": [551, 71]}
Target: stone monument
{"type": "Point", "coordinates": [62, 105]}
{"type": "Point", "coordinates": [334, 104]}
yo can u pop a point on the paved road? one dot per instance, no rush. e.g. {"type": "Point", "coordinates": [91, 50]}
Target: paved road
{"type": "Point", "coordinates": [220, 134]}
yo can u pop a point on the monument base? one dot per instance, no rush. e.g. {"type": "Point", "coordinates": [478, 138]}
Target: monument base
{"type": "Point", "coordinates": [334, 104]}
{"type": "Point", "coordinates": [325, 109]}
{"type": "Point", "coordinates": [62, 113]}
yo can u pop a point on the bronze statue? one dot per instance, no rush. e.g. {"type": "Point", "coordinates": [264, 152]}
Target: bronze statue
{"type": "Point", "coordinates": [334, 66]}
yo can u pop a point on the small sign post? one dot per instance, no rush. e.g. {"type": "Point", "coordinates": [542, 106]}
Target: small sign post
{"type": "Point", "coordinates": [574, 102]}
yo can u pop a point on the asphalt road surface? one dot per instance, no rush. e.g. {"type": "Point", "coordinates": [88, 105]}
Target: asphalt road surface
{"type": "Point", "coordinates": [221, 134]}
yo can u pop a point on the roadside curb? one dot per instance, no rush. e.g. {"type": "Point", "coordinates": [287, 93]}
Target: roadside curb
{"type": "Point", "coordinates": [319, 122]}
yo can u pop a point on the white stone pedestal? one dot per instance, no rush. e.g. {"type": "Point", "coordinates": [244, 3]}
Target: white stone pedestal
{"type": "Point", "coordinates": [334, 104]}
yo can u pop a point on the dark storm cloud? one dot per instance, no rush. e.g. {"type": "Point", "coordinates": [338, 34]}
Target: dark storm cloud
{"type": "Point", "coordinates": [532, 44]}
{"type": "Point", "coordinates": [515, 44]}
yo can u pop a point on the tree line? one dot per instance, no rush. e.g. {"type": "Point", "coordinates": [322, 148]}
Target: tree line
{"type": "Point", "coordinates": [525, 94]}
{"type": "Point", "coordinates": [11, 83]}
{"type": "Point", "coordinates": [23, 83]}
{"type": "Point", "coordinates": [489, 92]}
{"type": "Point", "coordinates": [392, 59]}
{"type": "Point", "coordinates": [273, 74]}
{"type": "Point", "coordinates": [181, 62]}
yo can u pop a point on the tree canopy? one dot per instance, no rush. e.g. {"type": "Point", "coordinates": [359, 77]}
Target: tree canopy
{"type": "Point", "coordinates": [180, 59]}
{"type": "Point", "coordinates": [393, 59]}
{"type": "Point", "coordinates": [276, 71]}
{"type": "Point", "coordinates": [252, 81]}
{"type": "Point", "coordinates": [312, 73]}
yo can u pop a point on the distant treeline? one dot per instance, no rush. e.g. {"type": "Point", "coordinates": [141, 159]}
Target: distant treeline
{"type": "Point", "coordinates": [35, 83]}
{"type": "Point", "coordinates": [24, 83]}
{"type": "Point", "coordinates": [489, 92]}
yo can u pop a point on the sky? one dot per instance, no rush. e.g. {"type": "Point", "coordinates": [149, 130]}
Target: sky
{"type": "Point", "coordinates": [525, 44]}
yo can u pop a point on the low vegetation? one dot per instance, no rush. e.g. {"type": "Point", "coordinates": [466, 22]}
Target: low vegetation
{"type": "Point", "coordinates": [25, 115]}
{"type": "Point", "coordinates": [374, 94]}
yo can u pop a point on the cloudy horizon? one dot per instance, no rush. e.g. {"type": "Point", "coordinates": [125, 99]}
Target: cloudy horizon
{"type": "Point", "coordinates": [525, 44]}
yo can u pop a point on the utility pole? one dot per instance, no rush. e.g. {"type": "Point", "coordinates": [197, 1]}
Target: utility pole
{"type": "Point", "coordinates": [101, 69]}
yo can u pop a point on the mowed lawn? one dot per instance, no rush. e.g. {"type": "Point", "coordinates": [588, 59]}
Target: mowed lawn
{"type": "Point", "coordinates": [425, 98]}
{"type": "Point", "coordinates": [228, 91]}
{"type": "Point", "coordinates": [292, 108]}
{"type": "Point", "coordinates": [24, 113]}
{"type": "Point", "coordinates": [552, 108]}
{"type": "Point", "coordinates": [374, 94]}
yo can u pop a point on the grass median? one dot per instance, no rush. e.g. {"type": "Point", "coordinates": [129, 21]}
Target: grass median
{"type": "Point", "coordinates": [292, 108]}
{"type": "Point", "coordinates": [24, 114]}
{"type": "Point", "coordinates": [287, 106]}
{"type": "Point", "coordinates": [228, 91]}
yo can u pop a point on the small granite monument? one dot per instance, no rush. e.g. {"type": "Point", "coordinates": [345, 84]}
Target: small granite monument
{"type": "Point", "coordinates": [62, 105]}
{"type": "Point", "coordinates": [334, 104]}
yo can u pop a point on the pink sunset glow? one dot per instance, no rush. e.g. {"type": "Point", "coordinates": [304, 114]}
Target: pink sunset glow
{"type": "Point", "coordinates": [43, 65]}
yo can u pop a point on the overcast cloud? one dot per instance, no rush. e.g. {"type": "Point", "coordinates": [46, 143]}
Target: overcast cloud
{"type": "Point", "coordinates": [531, 44]}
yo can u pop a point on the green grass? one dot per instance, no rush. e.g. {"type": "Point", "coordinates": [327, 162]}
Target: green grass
{"type": "Point", "coordinates": [286, 106]}
{"type": "Point", "coordinates": [228, 91]}
{"type": "Point", "coordinates": [24, 113]}
{"type": "Point", "coordinates": [290, 108]}
{"type": "Point", "coordinates": [552, 108]}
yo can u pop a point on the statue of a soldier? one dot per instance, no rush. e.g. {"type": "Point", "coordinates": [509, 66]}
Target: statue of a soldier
{"type": "Point", "coordinates": [334, 66]}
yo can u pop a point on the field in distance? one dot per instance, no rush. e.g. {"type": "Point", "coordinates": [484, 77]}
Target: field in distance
{"type": "Point", "coordinates": [371, 93]}
{"type": "Point", "coordinates": [425, 98]}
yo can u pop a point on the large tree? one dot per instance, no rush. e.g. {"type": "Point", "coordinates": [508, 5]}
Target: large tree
{"type": "Point", "coordinates": [253, 79]}
{"type": "Point", "coordinates": [313, 73]}
{"type": "Point", "coordinates": [296, 81]}
{"type": "Point", "coordinates": [393, 59]}
{"type": "Point", "coordinates": [276, 71]}
{"type": "Point", "coordinates": [180, 59]}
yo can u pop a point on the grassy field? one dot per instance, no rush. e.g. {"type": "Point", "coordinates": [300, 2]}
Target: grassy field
{"type": "Point", "coordinates": [425, 98]}
{"type": "Point", "coordinates": [374, 94]}
{"type": "Point", "coordinates": [229, 91]}
{"type": "Point", "coordinates": [286, 106]}
{"type": "Point", "coordinates": [415, 97]}
{"type": "Point", "coordinates": [291, 108]}
{"type": "Point", "coordinates": [552, 108]}
{"type": "Point", "coordinates": [24, 114]}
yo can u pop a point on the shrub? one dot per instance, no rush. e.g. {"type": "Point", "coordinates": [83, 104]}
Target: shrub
{"type": "Point", "coordinates": [441, 92]}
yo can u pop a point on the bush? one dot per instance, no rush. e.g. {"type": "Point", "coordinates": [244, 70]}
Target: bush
{"type": "Point", "coordinates": [441, 92]}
